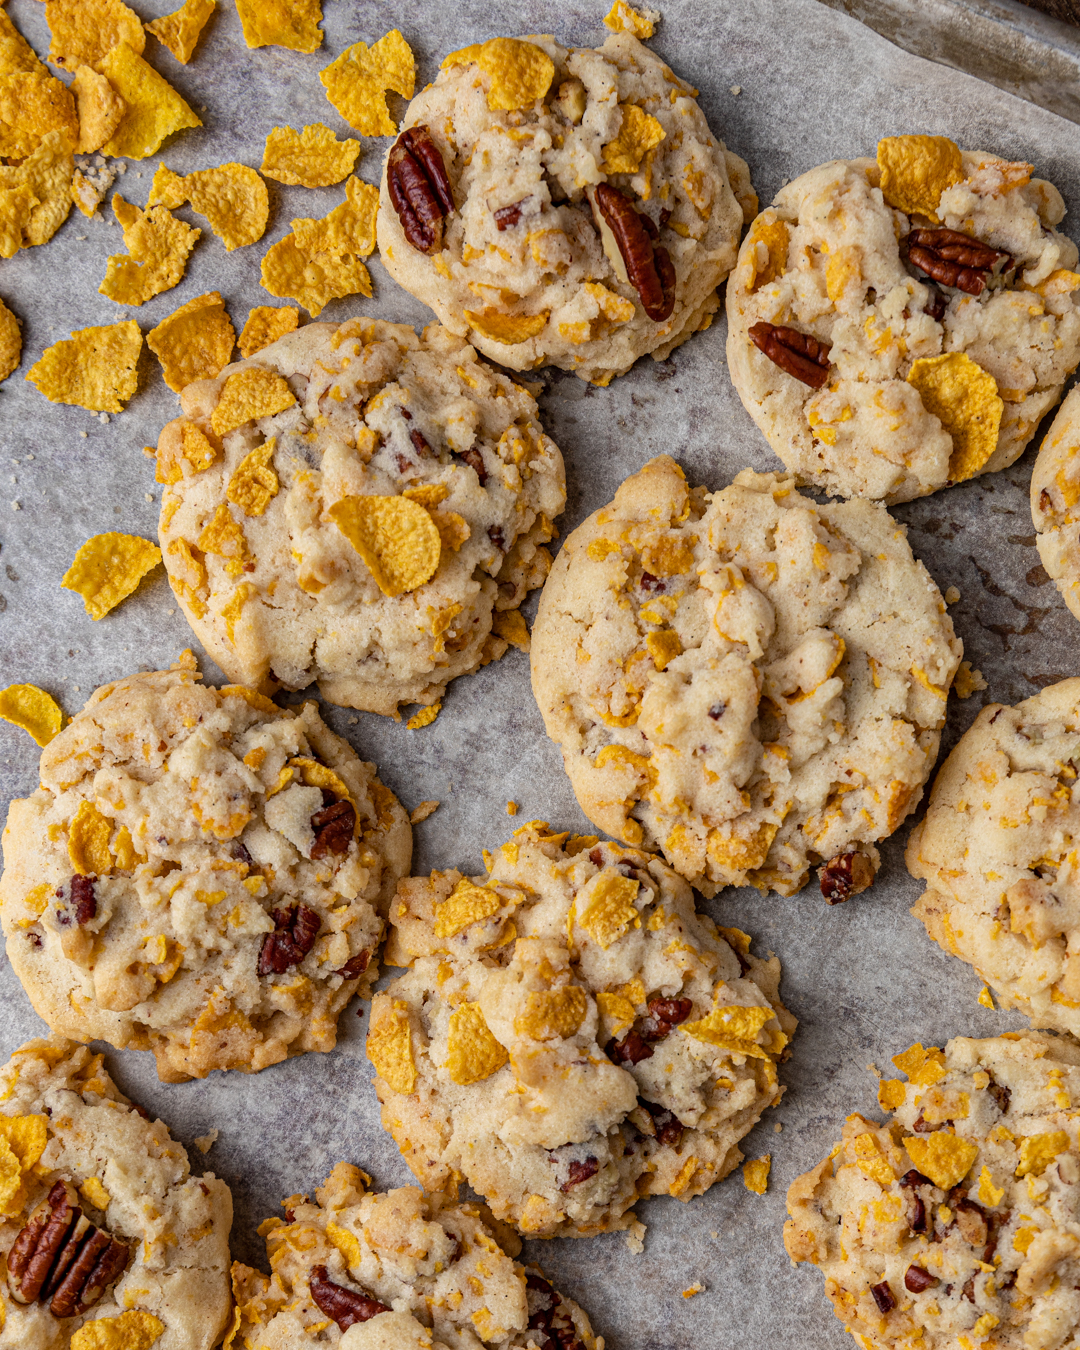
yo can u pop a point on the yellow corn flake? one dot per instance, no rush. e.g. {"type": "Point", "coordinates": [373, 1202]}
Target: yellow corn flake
{"type": "Point", "coordinates": [282, 23]}
{"type": "Point", "coordinates": [473, 1053]}
{"type": "Point", "coordinates": [158, 247]}
{"type": "Point", "coordinates": [31, 106]}
{"type": "Point", "coordinates": [396, 538]}
{"type": "Point", "coordinates": [232, 611]}
{"type": "Point", "coordinates": [623, 18]}
{"type": "Point", "coordinates": [964, 398]}
{"type": "Point", "coordinates": [891, 1094]}
{"type": "Point", "coordinates": [466, 904]}
{"type": "Point", "coordinates": [1038, 1151]}
{"type": "Point", "coordinates": [984, 1326]}
{"type": "Point", "coordinates": [617, 1010]}
{"type": "Point", "coordinates": [321, 260]}
{"type": "Point", "coordinates": [389, 1044]}
{"type": "Point", "coordinates": [424, 717]}
{"type": "Point", "coordinates": [519, 73]}
{"type": "Point", "coordinates": [15, 52]}
{"type": "Point", "coordinates": [638, 134]}
{"type": "Point", "coordinates": [349, 228]}
{"type": "Point", "coordinates": [108, 568]}
{"type": "Point", "coordinates": [663, 647]}
{"type": "Point", "coordinates": [232, 197]}
{"type": "Point", "coordinates": [738, 853]}
{"type": "Point", "coordinates": [95, 368]}
{"type": "Point", "coordinates": [773, 235]}
{"type": "Point", "coordinates": [871, 1161]}
{"type": "Point", "coordinates": [310, 158]}
{"type": "Point", "coordinates": [942, 1156]}
{"type": "Point", "coordinates": [989, 1194]}
{"type": "Point", "coordinates": [99, 109]}
{"type": "Point", "coordinates": [610, 911]}
{"type": "Point", "coordinates": [614, 308]}
{"type": "Point", "coordinates": [510, 625]}
{"type": "Point", "coordinates": [985, 996]}
{"type": "Point", "coordinates": [83, 31]}
{"type": "Point", "coordinates": [916, 170]}
{"type": "Point", "coordinates": [348, 1244]}
{"type": "Point", "coordinates": [93, 1191]}
{"type": "Point", "coordinates": [132, 1330]}
{"type": "Point", "coordinates": [154, 109]}
{"type": "Point", "coordinates": [180, 30]}
{"type": "Point", "coordinates": [733, 1028]}
{"type": "Point", "coordinates": [88, 841]}
{"type": "Point", "coordinates": [195, 342]}
{"type": "Point", "coordinates": [33, 709]}
{"type": "Point", "coordinates": [357, 82]}
{"type": "Point", "coordinates": [254, 484]}
{"type": "Point", "coordinates": [924, 1067]}
{"type": "Point", "coordinates": [10, 341]}
{"type": "Point", "coordinates": [755, 1174]}
{"type": "Point", "coordinates": [224, 537]}
{"type": "Point", "coordinates": [22, 1142]}
{"type": "Point", "coordinates": [35, 196]}
{"type": "Point", "coordinates": [507, 328]}
{"type": "Point", "coordinates": [265, 324]}
{"type": "Point", "coordinates": [194, 447]}
{"type": "Point", "coordinates": [248, 395]}
{"type": "Point", "coordinates": [552, 1014]}
{"type": "Point", "coordinates": [16, 208]}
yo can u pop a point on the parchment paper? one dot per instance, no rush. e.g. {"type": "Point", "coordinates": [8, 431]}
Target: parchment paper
{"type": "Point", "coordinates": [863, 978]}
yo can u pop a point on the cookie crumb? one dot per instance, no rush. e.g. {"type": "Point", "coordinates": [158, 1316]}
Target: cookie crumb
{"type": "Point", "coordinates": [424, 717]}
{"type": "Point", "coordinates": [694, 1289]}
{"type": "Point", "coordinates": [16, 506]}
{"type": "Point", "coordinates": [511, 808]}
{"type": "Point", "coordinates": [952, 595]}
{"type": "Point", "coordinates": [736, 89]}
{"type": "Point", "coordinates": [968, 680]}
{"type": "Point", "coordinates": [205, 1142]}
{"type": "Point", "coordinates": [635, 1235]}
{"type": "Point", "coordinates": [422, 812]}
{"type": "Point", "coordinates": [986, 998]}
{"type": "Point", "coordinates": [755, 1174]}
{"type": "Point", "coordinates": [777, 1128]}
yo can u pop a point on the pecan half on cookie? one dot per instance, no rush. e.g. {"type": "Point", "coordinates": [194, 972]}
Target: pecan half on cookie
{"type": "Point", "coordinates": [648, 265]}
{"type": "Point", "coordinates": [797, 353]}
{"type": "Point", "coordinates": [419, 189]}
{"type": "Point", "coordinates": [61, 1258]}
{"type": "Point", "coordinates": [955, 259]}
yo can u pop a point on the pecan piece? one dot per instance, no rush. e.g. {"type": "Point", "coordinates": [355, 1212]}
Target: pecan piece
{"type": "Point", "coordinates": [548, 1316]}
{"type": "Point", "coordinates": [846, 875]}
{"type": "Point", "coordinates": [630, 1050]}
{"type": "Point", "coordinates": [648, 265]}
{"type": "Point", "coordinates": [82, 898]}
{"type": "Point", "coordinates": [955, 259]}
{"type": "Point", "coordinates": [664, 1016]}
{"type": "Point", "coordinates": [971, 1221]}
{"type": "Point", "coordinates": [475, 460]}
{"type": "Point", "coordinates": [1001, 1095]}
{"type": "Point", "coordinates": [506, 217]}
{"type": "Point", "coordinates": [355, 966]}
{"type": "Point", "coordinates": [344, 1306]}
{"type": "Point", "coordinates": [293, 937]}
{"type": "Point", "coordinates": [60, 1257]}
{"type": "Point", "coordinates": [579, 1171]}
{"type": "Point", "coordinates": [883, 1297]}
{"type": "Point", "coordinates": [669, 1128]}
{"type": "Point", "coordinates": [419, 189]}
{"type": "Point", "coordinates": [796, 353]}
{"type": "Point", "coordinates": [917, 1280]}
{"type": "Point", "coordinates": [334, 827]}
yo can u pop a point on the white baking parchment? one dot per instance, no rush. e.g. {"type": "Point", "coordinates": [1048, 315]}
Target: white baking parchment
{"type": "Point", "coordinates": [788, 84]}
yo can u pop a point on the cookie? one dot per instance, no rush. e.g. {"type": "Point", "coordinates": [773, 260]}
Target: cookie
{"type": "Point", "coordinates": [398, 1270]}
{"type": "Point", "coordinates": [108, 1241]}
{"type": "Point", "coordinates": [360, 507]}
{"type": "Point", "coordinates": [996, 849]}
{"type": "Point", "coordinates": [567, 208]}
{"type": "Point", "coordinates": [955, 1223]}
{"type": "Point", "coordinates": [1055, 492]}
{"type": "Point", "coordinates": [746, 681]}
{"type": "Point", "coordinates": [899, 325]}
{"type": "Point", "coordinates": [200, 874]}
{"type": "Point", "coordinates": [572, 1034]}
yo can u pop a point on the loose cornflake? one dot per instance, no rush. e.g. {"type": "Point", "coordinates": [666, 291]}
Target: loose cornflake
{"type": "Point", "coordinates": [321, 260]}
{"type": "Point", "coordinates": [195, 342]}
{"type": "Point", "coordinates": [357, 82]}
{"type": "Point", "coordinates": [964, 398]}
{"type": "Point", "coordinates": [265, 324]}
{"type": "Point", "coordinates": [35, 196]}
{"type": "Point", "coordinates": [180, 30]}
{"type": "Point", "coordinates": [96, 368]}
{"type": "Point", "coordinates": [84, 31]}
{"type": "Point", "coordinates": [519, 73]}
{"type": "Point", "coordinates": [248, 395]}
{"type": "Point", "coordinates": [232, 197]}
{"type": "Point", "coordinates": [623, 18]}
{"type": "Point", "coordinates": [100, 109]}
{"type": "Point", "coordinates": [396, 538]}
{"type": "Point", "coordinates": [154, 108]}
{"type": "Point", "coordinates": [638, 134]}
{"type": "Point", "coordinates": [310, 158]}
{"type": "Point", "coordinates": [158, 245]}
{"type": "Point", "coordinates": [32, 709]}
{"type": "Point", "coordinates": [422, 812]}
{"type": "Point", "coordinates": [108, 568]}
{"type": "Point", "coordinates": [755, 1178]}
{"type": "Point", "coordinates": [32, 105]}
{"type": "Point", "coordinates": [132, 1330]}
{"type": "Point", "coordinates": [424, 717]}
{"type": "Point", "coordinates": [10, 341]}
{"type": "Point", "coordinates": [282, 23]}
{"type": "Point", "coordinates": [15, 52]}
{"type": "Point", "coordinates": [916, 170]}
{"type": "Point", "coordinates": [349, 228]}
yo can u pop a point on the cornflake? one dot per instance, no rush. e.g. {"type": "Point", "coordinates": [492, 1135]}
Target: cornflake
{"type": "Point", "coordinates": [321, 260]}
{"type": "Point", "coordinates": [943, 1157]}
{"type": "Point", "coordinates": [32, 105]}
{"type": "Point", "coordinates": [254, 483]}
{"type": "Point", "coordinates": [638, 134]}
{"type": "Point", "coordinates": [84, 31]}
{"type": "Point", "coordinates": [248, 395]}
{"type": "Point", "coordinates": [473, 1053]}
{"type": "Point", "coordinates": [32, 709]}
{"type": "Point", "coordinates": [282, 23]}
{"type": "Point", "coordinates": [108, 568]}
{"type": "Point", "coordinates": [265, 324]}
{"type": "Point", "coordinates": [310, 158]}
{"type": "Point", "coordinates": [623, 18]}
{"type": "Point", "coordinates": [964, 399]}
{"type": "Point", "coordinates": [15, 52]}
{"type": "Point", "coordinates": [916, 170]}
{"type": "Point", "coordinates": [154, 108]}
{"type": "Point", "coordinates": [519, 73]}
{"type": "Point", "coordinates": [396, 538]}
{"type": "Point", "coordinates": [10, 341]}
{"type": "Point", "coordinates": [195, 342]}
{"type": "Point", "coordinates": [424, 717]}
{"type": "Point", "coordinates": [100, 109]}
{"type": "Point", "coordinates": [232, 197]}
{"type": "Point", "coordinates": [756, 1174]}
{"type": "Point", "coordinates": [132, 1330]}
{"type": "Point", "coordinates": [357, 82]}
{"type": "Point", "coordinates": [96, 368]}
{"type": "Point", "coordinates": [181, 30]}
{"type": "Point", "coordinates": [507, 328]}
{"type": "Point", "coordinates": [35, 196]}
{"type": "Point", "coordinates": [158, 245]}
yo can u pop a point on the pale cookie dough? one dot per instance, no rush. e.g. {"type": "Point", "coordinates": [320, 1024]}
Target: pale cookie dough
{"type": "Point", "coordinates": [523, 268]}
{"type": "Point", "coordinates": [1055, 493]}
{"type": "Point", "coordinates": [744, 680]}
{"type": "Point", "coordinates": [572, 1035]}
{"type": "Point", "coordinates": [997, 849]}
{"type": "Point", "coordinates": [200, 874]}
{"type": "Point", "coordinates": [448, 450]}
{"type": "Point", "coordinates": [956, 1224]}
{"type": "Point", "coordinates": [398, 1270]}
{"type": "Point", "coordinates": [829, 259]}
{"type": "Point", "coordinates": [137, 1253]}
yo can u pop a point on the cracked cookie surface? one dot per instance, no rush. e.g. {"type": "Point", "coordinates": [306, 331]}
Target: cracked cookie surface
{"type": "Point", "coordinates": [956, 1222]}
{"type": "Point", "coordinates": [201, 874]}
{"type": "Point", "coordinates": [1055, 493]}
{"type": "Point", "coordinates": [268, 455]}
{"type": "Point", "coordinates": [746, 681]}
{"type": "Point", "coordinates": [523, 266]}
{"type": "Point", "coordinates": [572, 1034]}
{"type": "Point", "coordinates": [831, 259]}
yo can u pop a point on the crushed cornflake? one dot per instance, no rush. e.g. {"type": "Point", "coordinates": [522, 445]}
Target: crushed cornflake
{"type": "Point", "coordinates": [108, 568]}
{"type": "Point", "coordinates": [84, 31]}
{"type": "Point", "coordinates": [254, 483]}
{"type": "Point", "coordinates": [943, 1157]}
{"type": "Point", "coordinates": [422, 812]}
{"type": "Point", "coordinates": [265, 324]}
{"type": "Point", "coordinates": [511, 808]}
{"type": "Point", "coordinates": [15, 52]}
{"type": "Point", "coordinates": [965, 400]}
{"type": "Point", "coordinates": [32, 105]}
{"type": "Point", "coordinates": [987, 1001]}
{"type": "Point", "coordinates": [916, 170]}
{"type": "Point", "coordinates": [35, 196]}
{"type": "Point", "coordinates": [154, 109]}
{"type": "Point", "coordinates": [519, 73]}
{"type": "Point", "coordinates": [321, 260]}
{"type": "Point", "coordinates": [756, 1174]}
{"type": "Point", "coordinates": [310, 158]}
{"type": "Point", "coordinates": [694, 1289]}
{"type": "Point", "coordinates": [968, 681]}
{"type": "Point", "coordinates": [623, 18]}
{"type": "Point", "coordinates": [282, 23]}
{"type": "Point", "coordinates": [10, 341]}
{"type": "Point", "coordinates": [638, 135]}
{"type": "Point", "coordinates": [158, 247]}
{"type": "Point", "coordinates": [232, 197]}
{"type": "Point", "coordinates": [96, 368]}
{"type": "Point", "coordinates": [195, 342]}
{"type": "Point", "coordinates": [510, 625]}
{"type": "Point", "coordinates": [247, 395]}
{"type": "Point", "coordinates": [424, 717]}
{"type": "Point", "coordinates": [132, 1330]}
{"type": "Point", "coordinates": [357, 82]}
{"type": "Point", "coordinates": [33, 709]}
{"type": "Point", "coordinates": [396, 538]}
{"type": "Point", "coordinates": [180, 31]}
{"type": "Point", "coordinates": [99, 108]}
{"type": "Point", "coordinates": [507, 328]}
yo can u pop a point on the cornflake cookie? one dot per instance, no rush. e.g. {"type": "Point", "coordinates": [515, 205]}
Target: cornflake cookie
{"type": "Point", "coordinates": [108, 1240]}
{"type": "Point", "coordinates": [997, 849]}
{"type": "Point", "coordinates": [200, 874]}
{"type": "Point", "coordinates": [358, 506]}
{"type": "Point", "coordinates": [1055, 492]}
{"type": "Point", "coordinates": [899, 325]}
{"type": "Point", "coordinates": [954, 1224]}
{"type": "Point", "coordinates": [398, 1271]}
{"type": "Point", "coordinates": [744, 680]}
{"type": "Point", "coordinates": [563, 207]}
{"type": "Point", "coordinates": [572, 1035]}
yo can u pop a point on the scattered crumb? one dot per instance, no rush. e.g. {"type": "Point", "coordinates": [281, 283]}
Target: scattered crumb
{"type": "Point", "coordinates": [777, 1128]}
{"type": "Point", "coordinates": [952, 595]}
{"type": "Point", "coordinates": [755, 1174]}
{"type": "Point", "coordinates": [694, 1289]}
{"type": "Point", "coordinates": [16, 506]}
{"type": "Point", "coordinates": [83, 435]}
{"type": "Point", "coordinates": [873, 1068]}
{"type": "Point", "coordinates": [149, 496]}
{"type": "Point", "coordinates": [422, 812]}
{"type": "Point", "coordinates": [635, 1235]}
{"type": "Point", "coordinates": [736, 89]}
{"type": "Point", "coordinates": [968, 680]}
{"type": "Point", "coordinates": [172, 611]}
{"type": "Point", "coordinates": [511, 808]}
{"type": "Point", "coordinates": [354, 721]}
{"type": "Point", "coordinates": [714, 1233]}
{"type": "Point", "coordinates": [205, 1142]}
{"type": "Point", "coordinates": [986, 998]}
